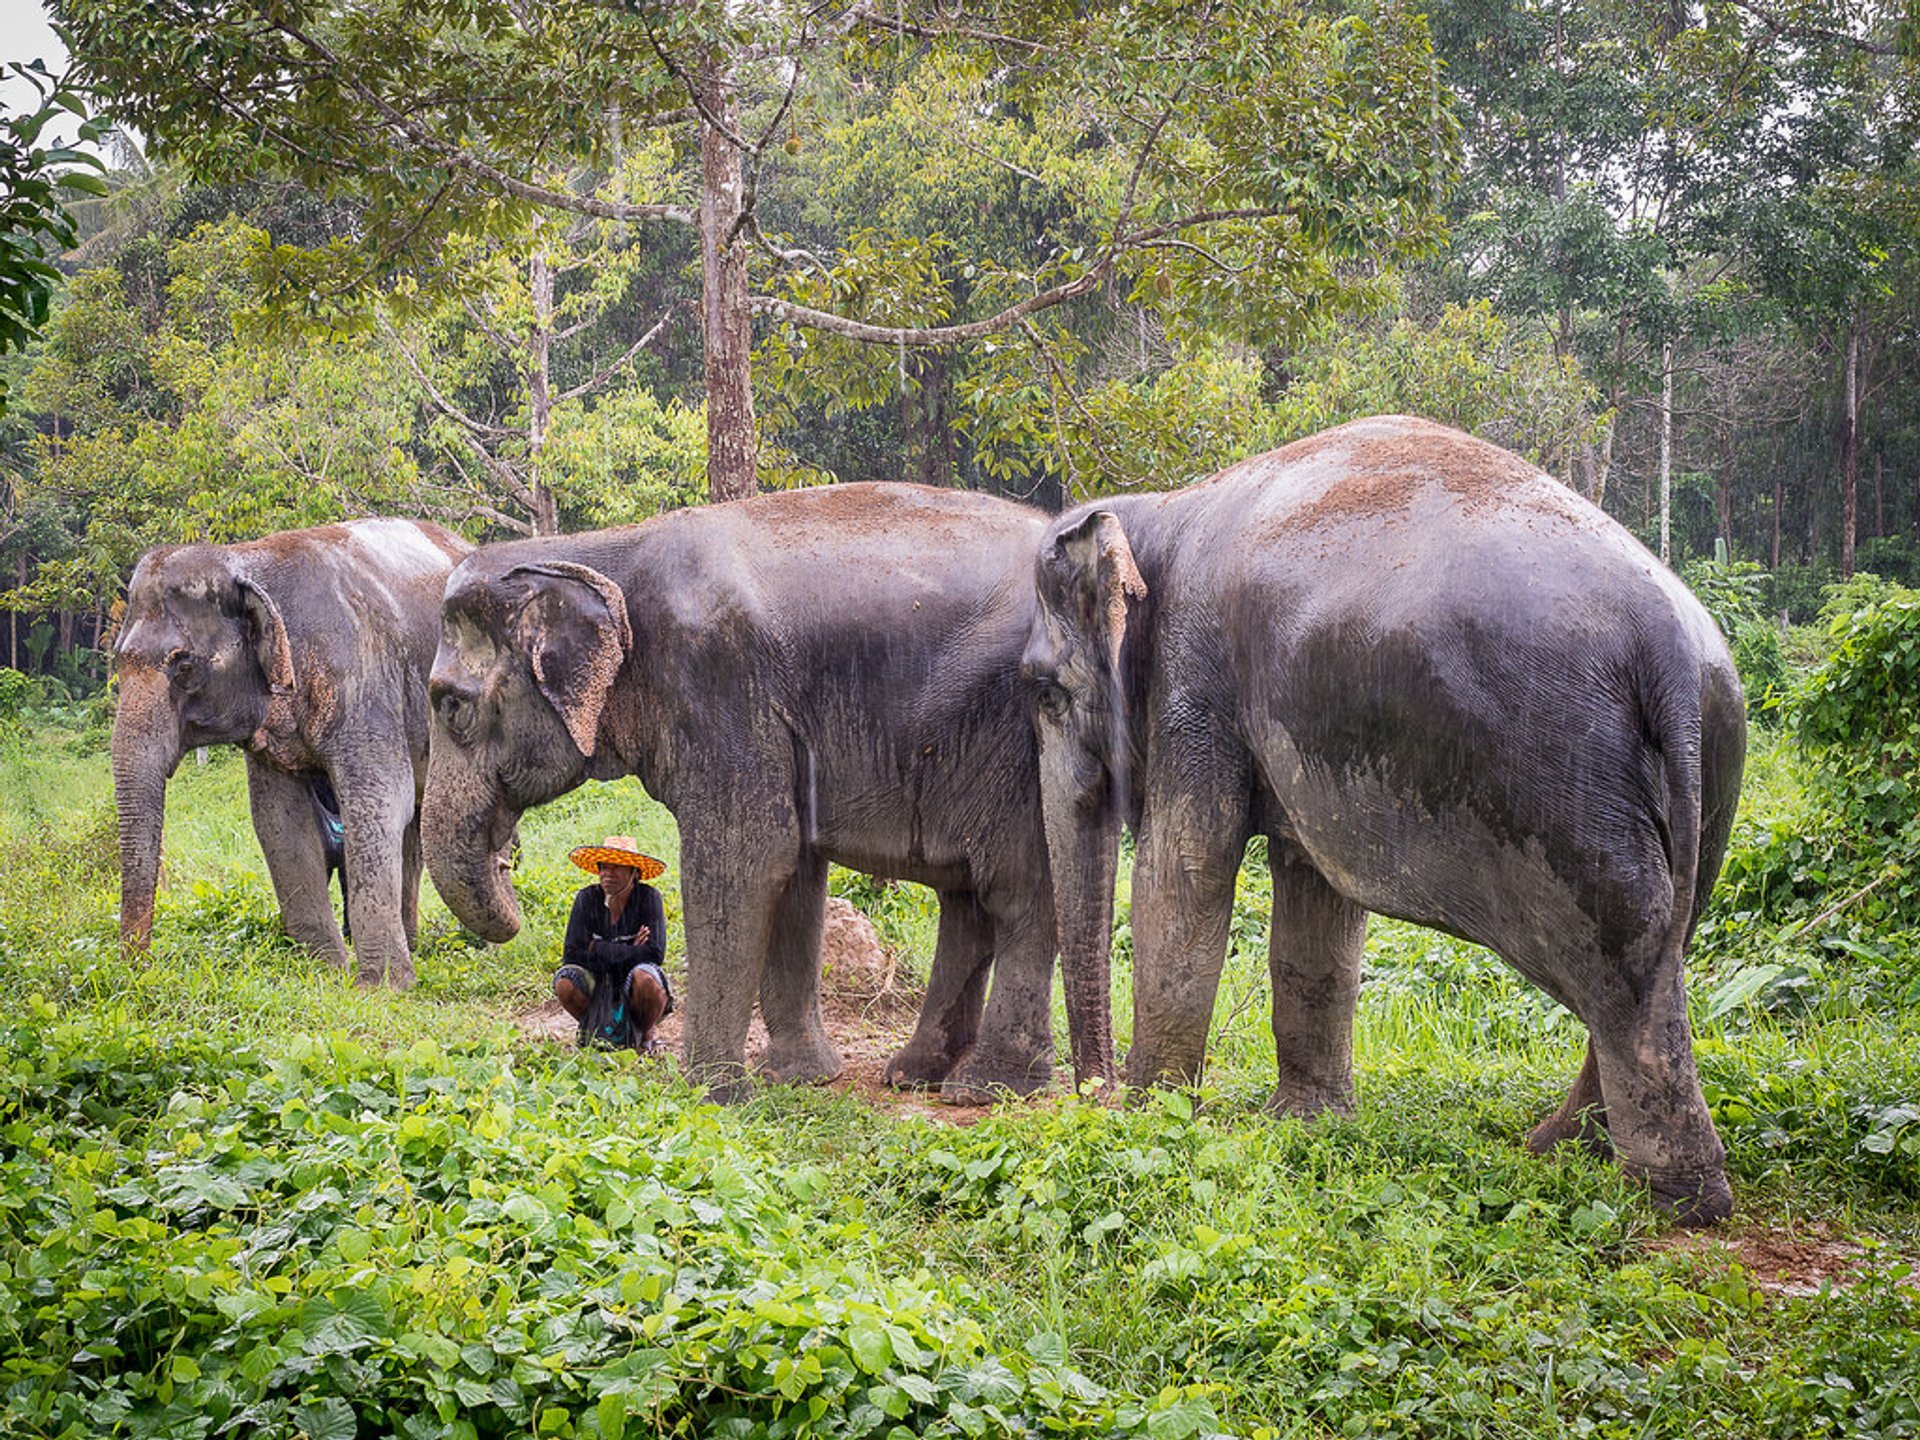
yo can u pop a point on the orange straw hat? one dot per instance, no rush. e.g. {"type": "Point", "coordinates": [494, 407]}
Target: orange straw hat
{"type": "Point", "coordinates": [617, 850]}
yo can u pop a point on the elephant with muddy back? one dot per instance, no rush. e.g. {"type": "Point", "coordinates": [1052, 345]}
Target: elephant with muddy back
{"type": "Point", "coordinates": [815, 676]}
{"type": "Point", "coordinates": [1446, 689]}
{"type": "Point", "coordinates": [308, 649]}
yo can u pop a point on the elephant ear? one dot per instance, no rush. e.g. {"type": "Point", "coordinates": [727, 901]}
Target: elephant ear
{"type": "Point", "coordinates": [574, 631]}
{"type": "Point", "coordinates": [268, 634]}
{"type": "Point", "coordinates": [1098, 564]}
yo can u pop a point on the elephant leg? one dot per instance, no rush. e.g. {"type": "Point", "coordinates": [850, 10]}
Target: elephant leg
{"type": "Point", "coordinates": [376, 808]}
{"type": "Point", "coordinates": [1581, 1119]}
{"type": "Point", "coordinates": [949, 1021]}
{"type": "Point", "coordinates": [296, 858]}
{"type": "Point", "coordinates": [410, 882]}
{"type": "Point", "coordinates": [734, 873]}
{"type": "Point", "coordinates": [1191, 840]}
{"type": "Point", "coordinates": [1656, 1115]}
{"type": "Point", "coordinates": [1014, 1051]}
{"type": "Point", "coordinates": [1313, 954]}
{"type": "Point", "coordinates": [798, 1050]}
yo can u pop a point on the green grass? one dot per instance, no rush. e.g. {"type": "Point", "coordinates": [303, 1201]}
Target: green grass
{"type": "Point", "coordinates": [240, 1196]}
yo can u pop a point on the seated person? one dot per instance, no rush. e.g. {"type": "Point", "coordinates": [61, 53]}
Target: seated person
{"type": "Point", "coordinates": [616, 938]}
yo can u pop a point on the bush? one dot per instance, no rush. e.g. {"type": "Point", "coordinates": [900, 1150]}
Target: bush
{"type": "Point", "coordinates": [15, 691]}
{"type": "Point", "coordinates": [1855, 718]}
{"type": "Point", "coordinates": [1736, 595]}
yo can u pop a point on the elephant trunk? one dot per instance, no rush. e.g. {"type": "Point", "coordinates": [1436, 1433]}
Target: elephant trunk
{"type": "Point", "coordinates": [1083, 842]}
{"type": "Point", "coordinates": [468, 850]}
{"type": "Point", "coordinates": [146, 748]}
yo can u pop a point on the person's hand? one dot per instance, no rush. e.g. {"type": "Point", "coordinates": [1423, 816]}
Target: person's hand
{"type": "Point", "coordinates": [642, 935]}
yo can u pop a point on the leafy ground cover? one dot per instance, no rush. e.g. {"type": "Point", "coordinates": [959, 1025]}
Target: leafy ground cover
{"type": "Point", "coordinates": [240, 1197]}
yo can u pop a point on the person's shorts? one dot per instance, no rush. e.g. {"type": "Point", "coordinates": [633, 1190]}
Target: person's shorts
{"type": "Point", "coordinates": [586, 982]}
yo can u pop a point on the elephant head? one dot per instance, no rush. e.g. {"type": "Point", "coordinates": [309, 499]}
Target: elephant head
{"type": "Point", "coordinates": [526, 664]}
{"type": "Point", "coordinates": [1087, 583]}
{"type": "Point", "coordinates": [202, 659]}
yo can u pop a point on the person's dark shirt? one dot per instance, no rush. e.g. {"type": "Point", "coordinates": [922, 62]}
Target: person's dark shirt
{"type": "Point", "coordinates": [604, 947]}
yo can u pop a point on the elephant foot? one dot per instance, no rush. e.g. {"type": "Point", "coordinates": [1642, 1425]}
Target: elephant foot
{"type": "Point", "coordinates": [986, 1076]}
{"type": "Point", "coordinates": [725, 1085]}
{"type": "Point", "coordinates": [329, 950]}
{"type": "Point", "coordinates": [1584, 1129]}
{"type": "Point", "coordinates": [1693, 1198]}
{"type": "Point", "coordinates": [805, 1059]}
{"type": "Point", "coordinates": [1307, 1102]}
{"type": "Point", "coordinates": [918, 1067]}
{"type": "Point", "coordinates": [398, 974]}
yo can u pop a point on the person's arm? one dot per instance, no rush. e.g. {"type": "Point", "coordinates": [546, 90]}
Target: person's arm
{"type": "Point", "coordinates": [645, 909]}
{"type": "Point", "coordinates": [577, 949]}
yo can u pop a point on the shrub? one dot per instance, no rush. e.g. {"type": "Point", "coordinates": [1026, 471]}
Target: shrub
{"type": "Point", "coordinates": [1736, 594]}
{"type": "Point", "coordinates": [1855, 718]}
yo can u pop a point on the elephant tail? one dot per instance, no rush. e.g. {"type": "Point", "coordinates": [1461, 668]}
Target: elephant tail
{"type": "Point", "coordinates": [1698, 725]}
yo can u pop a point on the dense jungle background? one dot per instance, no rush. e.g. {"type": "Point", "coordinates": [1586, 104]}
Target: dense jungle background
{"type": "Point", "coordinates": [526, 269]}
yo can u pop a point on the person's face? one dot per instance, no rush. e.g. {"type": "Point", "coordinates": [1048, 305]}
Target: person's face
{"type": "Point", "coordinates": [616, 880]}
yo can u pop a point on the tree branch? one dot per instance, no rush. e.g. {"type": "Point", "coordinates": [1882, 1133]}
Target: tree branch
{"type": "Point", "coordinates": [1790, 30]}
{"type": "Point", "coordinates": [462, 159]}
{"type": "Point", "coordinates": [940, 335]}
{"type": "Point", "coordinates": [590, 385]}
{"type": "Point", "coordinates": [439, 402]}
{"type": "Point", "coordinates": [900, 25]}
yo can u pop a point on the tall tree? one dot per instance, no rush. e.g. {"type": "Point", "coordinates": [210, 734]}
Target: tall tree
{"type": "Point", "coordinates": [1255, 158]}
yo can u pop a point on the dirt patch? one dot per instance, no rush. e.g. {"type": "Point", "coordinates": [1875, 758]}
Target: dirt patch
{"type": "Point", "coordinates": [1390, 462]}
{"type": "Point", "coordinates": [1789, 1262]}
{"type": "Point", "coordinates": [868, 1010]}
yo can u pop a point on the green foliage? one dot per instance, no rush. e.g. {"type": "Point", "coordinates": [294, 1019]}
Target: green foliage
{"type": "Point", "coordinates": [434, 1243]}
{"type": "Point", "coordinates": [626, 457]}
{"type": "Point", "coordinates": [1736, 595]}
{"type": "Point", "coordinates": [37, 184]}
{"type": "Point", "coordinates": [237, 1192]}
{"type": "Point", "coordinates": [189, 425]}
{"type": "Point", "coordinates": [1470, 367]}
{"type": "Point", "coordinates": [15, 691]}
{"type": "Point", "coordinates": [1837, 872]}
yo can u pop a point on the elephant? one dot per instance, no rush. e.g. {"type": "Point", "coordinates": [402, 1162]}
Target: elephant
{"type": "Point", "coordinates": [1447, 690]}
{"type": "Point", "coordinates": [802, 677]}
{"type": "Point", "coordinates": [309, 649]}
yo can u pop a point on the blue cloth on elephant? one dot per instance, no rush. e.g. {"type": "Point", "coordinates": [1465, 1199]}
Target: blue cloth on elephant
{"type": "Point", "coordinates": [599, 956]}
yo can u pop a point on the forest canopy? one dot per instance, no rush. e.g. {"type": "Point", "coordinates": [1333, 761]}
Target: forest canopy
{"type": "Point", "coordinates": [524, 271]}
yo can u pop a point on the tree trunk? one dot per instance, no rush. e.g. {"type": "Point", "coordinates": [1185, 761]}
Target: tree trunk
{"type": "Point", "coordinates": [1880, 492]}
{"type": "Point", "coordinates": [726, 319]}
{"type": "Point", "coordinates": [924, 407]}
{"type": "Point", "coordinates": [1779, 499]}
{"type": "Point", "coordinates": [1596, 463]}
{"type": "Point", "coordinates": [1666, 453]}
{"type": "Point", "coordinates": [1850, 453]}
{"type": "Point", "coordinates": [546, 512]}
{"type": "Point", "coordinates": [1723, 489]}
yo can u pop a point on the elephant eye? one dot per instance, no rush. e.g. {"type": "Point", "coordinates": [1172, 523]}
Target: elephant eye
{"type": "Point", "coordinates": [1054, 699]}
{"type": "Point", "coordinates": [187, 671]}
{"type": "Point", "coordinates": [457, 713]}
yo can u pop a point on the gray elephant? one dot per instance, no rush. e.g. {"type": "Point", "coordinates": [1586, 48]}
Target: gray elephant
{"type": "Point", "coordinates": [308, 649]}
{"type": "Point", "coordinates": [1447, 690]}
{"type": "Point", "coordinates": [804, 677]}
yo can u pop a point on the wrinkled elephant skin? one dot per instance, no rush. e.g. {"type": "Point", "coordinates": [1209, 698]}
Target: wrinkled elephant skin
{"type": "Point", "coordinates": [308, 649]}
{"type": "Point", "coordinates": [816, 676]}
{"type": "Point", "coordinates": [1447, 690]}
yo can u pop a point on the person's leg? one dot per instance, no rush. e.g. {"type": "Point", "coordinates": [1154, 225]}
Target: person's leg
{"type": "Point", "coordinates": [573, 988]}
{"type": "Point", "coordinates": [647, 1003]}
